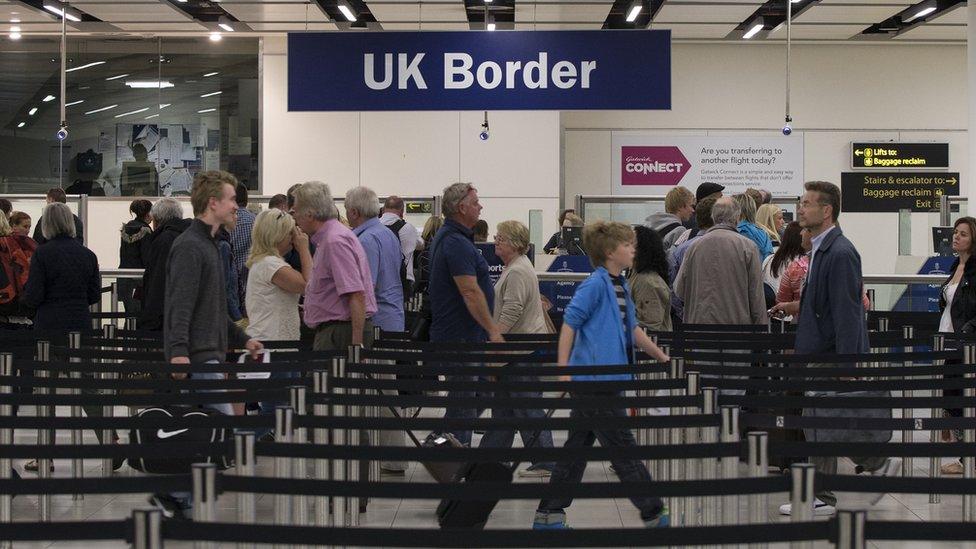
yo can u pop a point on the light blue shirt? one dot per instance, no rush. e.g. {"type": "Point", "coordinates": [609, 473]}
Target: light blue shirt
{"type": "Point", "coordinates": [383, 254]}
{"type": "Point", "coordinates": [815, 245]}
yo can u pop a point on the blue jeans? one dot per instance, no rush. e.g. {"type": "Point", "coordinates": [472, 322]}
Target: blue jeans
{"type": "Point", "coordinates": [464, 437]}
{"type": "Point", "coordinates": [503, 438]}
{"type": "Point", "coordinates": [185, 499]}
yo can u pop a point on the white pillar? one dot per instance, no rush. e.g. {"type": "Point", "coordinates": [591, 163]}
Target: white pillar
{"type": "Point", "coordinates": [971, 134]}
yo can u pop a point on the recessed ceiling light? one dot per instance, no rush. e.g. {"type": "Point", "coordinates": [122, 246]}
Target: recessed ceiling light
{"type": "Point", "coordinates": [48, 98]}
{"type": "Point", "coordinates": [15, 20]}
{"type": "Point", "coordinates": [22, 124]}
{"type": "Point", "coordinates": [152, 116]}
{"type": "Point", "coordinates": [101, 109]}
{"type": "Point", "coordinates": [634, 11]}
{"type": "Point", "coordinates": [211, 94]}
{"type": "Point", "coordinates": [117, 77]}
{"type": "Point", "coordinates": [78, 102]}
{"type": "Point", "coordinates": [753, 31]}
{"type": "Point", "coordinates": [15, 34]}
{"type": "Point", "coordinates": [215, 37]}
{"type": "Point", "coordinates": [921, 13]}
{"type": "Point", "coordinates": [85, 66]}
{"type": "Point", "coordinates": [205, 110]}
{"type": "Point", "coordinates": [137, 111]}
{"type": "Point", "coordinates": [209, 74]}
{"type": "Point", "coordinates": [163, 105]}
{"type": "Point", "coordinates": [149, 84]}
{"type": "Point", "coordinates": [55, 9]}
{"type": "Point", "coordinates": [32, 112]}
{"type": "Point", "coordinates": [346, 10]}
{"type": "Point", "coordinates": [225, 24]}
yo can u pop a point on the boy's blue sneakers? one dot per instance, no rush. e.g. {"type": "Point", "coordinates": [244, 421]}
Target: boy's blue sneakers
{"type": "Point", "coordinates": [549, 520]}
{"type": "Point", "coordinates": [662, 520]}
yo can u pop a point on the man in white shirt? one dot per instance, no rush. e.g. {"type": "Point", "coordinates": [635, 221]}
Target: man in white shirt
{"type": "Point", "coordinates": [410, 241]}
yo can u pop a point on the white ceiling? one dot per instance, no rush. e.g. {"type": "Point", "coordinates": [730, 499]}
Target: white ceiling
{"type": "Point", "coordinates": [829, 20]}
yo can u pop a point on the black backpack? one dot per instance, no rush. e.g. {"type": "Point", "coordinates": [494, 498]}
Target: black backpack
{"type": "Point", "coordinates": [404, 281]}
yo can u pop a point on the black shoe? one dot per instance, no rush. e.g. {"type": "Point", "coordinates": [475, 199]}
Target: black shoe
{"type": "Point", "coordinates": [169, 505]}
{"type": "Point", "coordinates": [117, 463]}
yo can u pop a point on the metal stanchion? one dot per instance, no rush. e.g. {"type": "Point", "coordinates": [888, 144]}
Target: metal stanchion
{"type": "Point", "coordinates": [114, 298]}
{"type": "Point", "coordinates": [883, 324]}
{"type": "Point", "coordinates": [204, 476]}
{"type": "Point", "coordinates": [802, 497]}
{"type": "Point", "coordinates": [676, 466]}
{"type": "Point", "coordinates": [75, 411]}
{"type": "Point", "coordinates": [850, 529]}
{"type": "Point", "coordinates": [969, 434]}
{"type": "Point", "coordinates": [130, 323]}
{"type": "Point", "coordinates": [6, 439]}
{"type": "Point", "coordinates": [147, 529]}
{"type": "Point", "coordinates": [320, 380]}
{"type": "Point", "coordinates": [935, 463]}
{"type": "Point", "coordinates": [689, 507]}
{"type": "Point", "coordinates": [300, 464]}
{"type": "Point", "coordinates": [339, 437]}
{"type": "Point", "coordinates": [282, 465]}
{"type": "Point", "coordinates": [108, 411]}
{"type": "Point", "coordinates": [375, 411]}
{"type": "Point", "coordinates": [710, 435]}
{"type": "Point", "coordinates": [45, 437]}
{"type": "Point", "coordinates": [244, 467]}
{"type": "Point", "coordinates": [758, 468]}
{"type": "Point", "coordinates": [358, 468]}
{"type": "Point", "coordinates": [908, 435]}
{"type": "Point", "coordinates": [730, 465]}
{"type": "Point", "coordinates": [871, 294]}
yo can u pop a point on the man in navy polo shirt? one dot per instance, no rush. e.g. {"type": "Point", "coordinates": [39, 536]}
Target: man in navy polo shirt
{"type": "Point", "coordinates": [461, 293]}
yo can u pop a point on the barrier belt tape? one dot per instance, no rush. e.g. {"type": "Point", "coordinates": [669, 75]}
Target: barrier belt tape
{"type": "Point", "coordinates": [145, 399]}
{"type": "Point", "coordinates": [165, 367]}
{"type": "Point", "coordinates": [507, 370]}
{"type": "Point", "coordinates": [843, 401]}
{"type": "Point", "coordinates": [164, 384]}
{"type": "Point", "coordinates": [867, 358]}
{"type": "Point", "coordinates": [574, 403]}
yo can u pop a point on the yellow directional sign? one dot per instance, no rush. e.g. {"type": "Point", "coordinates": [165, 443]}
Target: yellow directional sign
{"type": "Point", "coordinates": [900, 155]}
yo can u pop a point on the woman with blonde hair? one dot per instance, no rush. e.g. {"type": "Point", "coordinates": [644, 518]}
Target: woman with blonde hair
{"type": "Point", "coordinates": [769, 218]}
{"type": "Point", "coordinates": [274, 287]}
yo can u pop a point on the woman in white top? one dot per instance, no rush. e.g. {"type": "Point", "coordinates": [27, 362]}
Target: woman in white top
{"type": "Point", "coordinates": [273, 287]}
{"type": "Point", "coordinates": [957, 300]}
{"type": "Point", "coordinates": [518, 310]}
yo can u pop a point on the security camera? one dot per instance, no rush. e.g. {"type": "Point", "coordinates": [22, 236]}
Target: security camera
{"type": "Point", "coordinates": [63, 132]}
{"type": "Point", "coordinates": [484, 135]}
{"type": "Point", "coordinates": [787, 129]}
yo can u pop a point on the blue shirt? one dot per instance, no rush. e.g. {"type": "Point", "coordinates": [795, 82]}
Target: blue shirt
{"type": "Point", "coordinates": [601, 338]}
{"type": "Point", "coordinates": [384, 256]}
{"type": "Point", "coordinates": [453, 254]}
{"type": "Point", "coordinates": [757, 235]}
{"type": "Point", "coordinates": [815, 243]}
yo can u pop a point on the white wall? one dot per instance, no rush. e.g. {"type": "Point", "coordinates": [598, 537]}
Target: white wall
{"type": "Point", "coordinates": [411, 153]}
{"type": "Point", "coordinates": [840, 93]}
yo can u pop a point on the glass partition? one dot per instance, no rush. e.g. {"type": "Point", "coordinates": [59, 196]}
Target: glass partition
{"type": "Point", "coordinates": [634, 210]}
{"type": "Point", "coordinates": [143, 115]}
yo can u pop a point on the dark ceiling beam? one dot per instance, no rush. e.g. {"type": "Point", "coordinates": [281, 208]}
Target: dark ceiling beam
{"type": "Point", "coordinates": [771, 16]}
{"type": "Point", "coordinates": [909, 18]}
{"type": "Point", "coordinates": [503, 12]}
{"type": "Point", "coordinates": [617, 18]}
{"type": "Point", "coordinates": [209, 14]}
{"type": "Point", "coordinates": [364, 17]}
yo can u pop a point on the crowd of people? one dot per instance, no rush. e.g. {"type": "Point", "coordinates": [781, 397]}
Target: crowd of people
{"type": "Point", "coordinates": [231, 279]}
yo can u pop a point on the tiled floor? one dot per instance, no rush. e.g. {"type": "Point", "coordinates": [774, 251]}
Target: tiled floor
{"type": "Point", "coordinates": [509, 514]}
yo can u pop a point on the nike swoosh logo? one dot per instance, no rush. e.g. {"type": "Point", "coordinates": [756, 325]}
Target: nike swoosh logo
{"type": "Point", "coordinates": [166, 434]}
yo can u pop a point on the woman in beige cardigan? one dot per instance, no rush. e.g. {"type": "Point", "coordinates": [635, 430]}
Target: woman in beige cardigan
{"type": "Point", "coordinates": [648, 281]}
{"type": "Point", "coordinates": [518, 310]}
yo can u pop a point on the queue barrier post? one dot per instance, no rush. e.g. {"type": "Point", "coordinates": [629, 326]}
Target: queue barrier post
{"type": "Point", "coordinates": [357, 437]}
{"type": "Point", "coordinates": [204, 477]}
{"type": "Point", "coordinates": [850, 529]}
{"type": "Point", "coordinates": [871, 295]}
{"type": "Point", "coordinates": [710, 435]}
{"type": "Point", "coordinates": [96, 308]}
{"type": "Point", "coordinates": [802, 497]}
{"type": "Point", "coordinates": [300, 464]}
{"type": "Point", "coordinates": [730, 464]}
{"type": "Point", "coordinates": [45, 437]}
{"type": "Point", "coordinates": [935, 469]}
{"type": "Point", "coordinates": [673, 436]}
{"type": "Point", "coordinates": [284, 429]}
{"type": "Point", "coordinates": [114, 299]}
{"type": "Point", "coordinates": [108, 411]}
{"type": "Point", "coordinates": [147, 527]}
{"type": "Point", "coordinates": [758, 468]}
{"type": "Point", "coordinates": [6, 439]}
{"type": "Point", "coordinates": [375, 411]}
{"type": "Point", "coordinates": [969, 434]}
{"type": "Point", "coordinates": [340, 437]}
{"type": "Point", "coordinates": [320, 380]}
{"type": "Point", "coordinates": [693, 467]}
{"type": "Point", "coordinates": [907, 435]}
{"type": "Point", "coordinates": [75, 411]}
{"type": "Point", "coordinates": [131, 324]}
{"type": "Point", "coordinates": [244, 467]}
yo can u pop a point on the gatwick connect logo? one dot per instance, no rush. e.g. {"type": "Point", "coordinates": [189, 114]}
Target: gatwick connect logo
{"type": "Point", "coordinates": [652, 165]}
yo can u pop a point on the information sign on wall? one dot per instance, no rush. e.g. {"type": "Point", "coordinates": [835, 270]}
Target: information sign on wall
{"type": "Point", "coordinates": [646, 163]}
{"type": "Point", "coordinates": [900, 155]}
{"type": "Point", "coordinates": [419, 207]}
{"type": "Point", "coordinates": [511, 70]}
{"type": "Point", "coordinates": [893, 191]}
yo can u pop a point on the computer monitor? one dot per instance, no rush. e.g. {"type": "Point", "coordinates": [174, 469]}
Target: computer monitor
{"type": "Point", "coordinates": [942, 240]}
{"type": "Point", "coordinates": [139, 179]}
{"type": "Point", "coordinates": [572, 240]}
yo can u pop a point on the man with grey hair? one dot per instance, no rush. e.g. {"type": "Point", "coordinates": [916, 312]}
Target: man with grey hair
{"type": "Point", "coordinates": [339, 298]}
{"type": "Point", "coordinates": [720, 280]}
{"type": "Point", "coordinates": [461, 293]}
{"type": "Point", "coordinates": [410, 241]}
{"type": "Point", "coordinates": [385, 260]}
{"type": "Point", "coordinates": [168, 223]}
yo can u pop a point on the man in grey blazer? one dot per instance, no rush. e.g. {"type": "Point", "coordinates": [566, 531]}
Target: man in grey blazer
{"type": "Point", "coordinates": [831, 313]}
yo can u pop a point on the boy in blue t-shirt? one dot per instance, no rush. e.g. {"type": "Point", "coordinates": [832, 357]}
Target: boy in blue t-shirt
{"type": "Point", "coordinates": [600, 327]}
